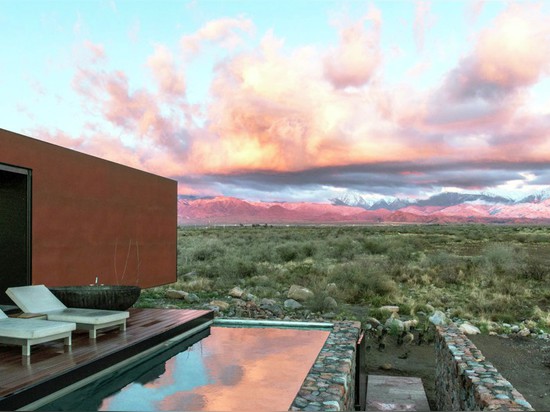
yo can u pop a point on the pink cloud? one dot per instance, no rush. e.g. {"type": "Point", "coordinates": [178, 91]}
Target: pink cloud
{"type": "Point", "coordinates": [226, 31]}
{"type": "Point", "coordinates": [170, 82]}
{"type": "Point", "coordinates": [474, 9]}
{"type": "Point", "coordinates": [514, 52]}
{"type": "Point", "coordinates": [357, 56]}
{"type": "Point", "coordinates": [422, 22]}
{"type": "Point", "coordinates": [97, 51]}
{"type": "Point", "coordinates": [274, 109]}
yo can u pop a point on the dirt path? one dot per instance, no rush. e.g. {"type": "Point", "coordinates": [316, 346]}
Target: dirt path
{"type": "Point", "coordinates": [524, 362]}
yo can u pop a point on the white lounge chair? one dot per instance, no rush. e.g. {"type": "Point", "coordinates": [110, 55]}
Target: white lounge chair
{"type": "Point", "coordinates": [27, 332]}
{"type": "Point", "coordinates": [39, 299]}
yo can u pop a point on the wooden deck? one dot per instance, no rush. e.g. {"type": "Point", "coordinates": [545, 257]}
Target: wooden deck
{"type": "Point", "coordinates": [51, 367]}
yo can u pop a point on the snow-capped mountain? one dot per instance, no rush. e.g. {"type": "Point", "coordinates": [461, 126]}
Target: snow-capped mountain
{"type": "Point", "coordinates": [440, 208]}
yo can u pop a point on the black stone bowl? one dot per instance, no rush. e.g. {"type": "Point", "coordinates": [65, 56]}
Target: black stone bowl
{"type": "Point", "coordinates": [109, 297]}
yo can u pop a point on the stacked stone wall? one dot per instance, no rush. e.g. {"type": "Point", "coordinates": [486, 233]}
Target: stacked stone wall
{"type": "Point", "coordinates": [330, 383]}
{"type": "Point", "coordinates": [466, 381]}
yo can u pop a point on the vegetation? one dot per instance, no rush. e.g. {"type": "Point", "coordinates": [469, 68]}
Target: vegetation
{"type": "Point", "coordinates": [479, 272]}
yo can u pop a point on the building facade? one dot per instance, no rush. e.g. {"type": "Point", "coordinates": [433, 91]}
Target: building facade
{"type": "Point", "coordinates": [67, 218]}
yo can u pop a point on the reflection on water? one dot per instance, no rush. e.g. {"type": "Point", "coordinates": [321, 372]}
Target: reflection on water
{"type": "Point", "coordinates": [232, 369]}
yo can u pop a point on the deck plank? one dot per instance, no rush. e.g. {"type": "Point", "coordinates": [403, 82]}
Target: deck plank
{"type": "Point", "coordinates": [51, 361]}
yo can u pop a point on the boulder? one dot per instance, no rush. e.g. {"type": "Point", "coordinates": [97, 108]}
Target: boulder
{"type": "Point", "coordinates": [438, 318]}
{"type": "Point", "coordinates": [392, 323]}
{"type": "Point", "coordinates": [408, 324]}
{"type": "Point", "coordinates": [271, 306]}
{"type": "Point", "coordinates": [192, 298]}
{"type": "Point", "coordinates": [299, 293]}
{"type": "Point", "coordinates": [332, 289]}
{"type": "Point", "coordinates": [220, 304]}
{"type": "Point", "coordinates": [329, 303]}
{"type": "Point", "coordinates": [372, 321]}
{"type": "Point", "coordinates": [175, 294]}
{"type": "Point", "coordinates": [236, 292]}
{"type": "Point", "coordinates": [389, 308]}
{"type": "Point", "coordinates": [248, 297]}
{"type": "Point", "coordinates": [292, 304]}
{"type": "Point", "coordinates": [469, 329]}
{"type": "Point", "coordinates": [524, 332]}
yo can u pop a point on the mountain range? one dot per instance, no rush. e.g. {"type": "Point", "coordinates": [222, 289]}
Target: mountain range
{"type": "Point", "coordinates": [353, 208]}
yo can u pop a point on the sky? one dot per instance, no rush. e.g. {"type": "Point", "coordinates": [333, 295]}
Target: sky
{"type": "Point", "coordinates": [289, 100]}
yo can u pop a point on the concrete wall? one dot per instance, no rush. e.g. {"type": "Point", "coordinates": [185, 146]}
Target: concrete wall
{"type": "Point", "coordinates": [465, 381]}
{"type": "Point", "coordinates": [92, 217]}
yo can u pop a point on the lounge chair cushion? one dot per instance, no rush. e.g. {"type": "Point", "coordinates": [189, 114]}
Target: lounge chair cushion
{"type": "Point", "coordinates": [87, 316]}
{"type": "Point", "coordinates": [39, 299]}
{"type": "Point", "coordinates": [35, 299]}
{"type": "Point", "coordinates": [32, 328]}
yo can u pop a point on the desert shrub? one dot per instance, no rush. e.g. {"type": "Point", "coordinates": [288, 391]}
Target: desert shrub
{"type": "Point", "coordinates": [401, 251]}
{"type": "Point", "coordinates": [450, 268]}
{"type": "Point", "coordinates": [342, 248]}
{"type": "Point", "coordinates": [535, 268]}
{"type": "Point", "coordinates": [209, 251]}
{"type": "Point", "coordinates": [375, 245]}
{"type": "Point", "coordinates": [360, 281]}
{"type": "Point", "coordinates": [290, 251]}
{"type": "Point", "coordinates": [504, 258]}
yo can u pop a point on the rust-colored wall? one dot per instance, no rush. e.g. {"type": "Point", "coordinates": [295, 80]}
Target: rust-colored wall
{"type": "Point", "coordinates": [92, 217]}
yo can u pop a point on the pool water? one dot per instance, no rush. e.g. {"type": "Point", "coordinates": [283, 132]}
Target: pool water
{"type": "Point", "coordinates": [231, 369]}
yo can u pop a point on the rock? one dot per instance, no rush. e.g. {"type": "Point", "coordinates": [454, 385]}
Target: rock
{"type": "Point", "coordinates": [190, 275]}
{"type": "Point", "coordinates": [328, 315]}
{"type": "Point", "coordinates": [469, 329]}
{"type": "Point", "coordinates": [438, 318]}
{"type": "Point", "coordinates": [332, 289]}
{"type": "Point", "coordinates": [493, 333]}
{"type": "Point", "coordinates": [220, 304]}
{"type": "Point", "coordinates": [299, 293]}
{"type": "Point", "coordinates": [292, 304]}
{"type": "Point", "coordinates": [392, 323]}
{"type": "Point", "coordinates": [373, 321]}
{"type": "Point", "coordinates": [514, 329]}
{"type": "Point", "coordinates": [524, 332]}
{"type": "Point", "coordinates": [389, 308]}
{"type": "Point", "coordinates": [386, 366]}
{"type": "Point", "coordinates": [271, 306]}
{"type": "Point", "coordinates": [175, 294]}
{"type": "Point", "coordinates": [329, 303]}
{"type": "Point", "coordinates": [248, 297]}
{"type": "Point", "coordinates": [236, 292]}
{"type": "Point", "coordinates": [408, 324]}
{"type": "Point", "coordinates": [266, 302]}
{"type": "Point", "coordinates": [192, 298]}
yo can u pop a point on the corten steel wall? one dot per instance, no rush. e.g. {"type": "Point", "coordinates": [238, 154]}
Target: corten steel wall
{"type": "Point", "coordinates": [92, 217]}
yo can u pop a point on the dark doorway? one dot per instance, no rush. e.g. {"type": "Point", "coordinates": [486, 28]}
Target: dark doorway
{"type": "Point", "coordinates": [15, 229]}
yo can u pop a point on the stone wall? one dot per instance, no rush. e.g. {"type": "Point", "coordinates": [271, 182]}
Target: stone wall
{"type": "Point", "coordinates": [465, 381]}
{"type": "Point", "coordinates": [330, 384]}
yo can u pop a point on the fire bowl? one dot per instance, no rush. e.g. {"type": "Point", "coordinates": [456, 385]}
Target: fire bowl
{"type": "Point", "coordinates": [111, 297]}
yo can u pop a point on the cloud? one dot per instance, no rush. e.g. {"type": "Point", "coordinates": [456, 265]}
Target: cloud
{"type": "Point", "coordinates": [281, 119]}
{"type": "Point", "coordinates": [513, 53]}
{"type": "Point", "coordinates": [422, 22]}
{"type": "Point", "coordinates": [385, 178]}
{"type": "Point", "coordinates": [170, 82]}
{"type": "Point", "coordinates": [354, 61]}
{"type": "Point", "coordinates": [225, 31]}
{"type": "Point", "coordinates": [96, 51]}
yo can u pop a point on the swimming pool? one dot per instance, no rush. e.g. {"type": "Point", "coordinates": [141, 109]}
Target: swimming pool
{"type": "Point", "coordinates": [220, 368]}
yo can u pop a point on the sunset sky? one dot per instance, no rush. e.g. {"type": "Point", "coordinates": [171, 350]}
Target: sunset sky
{"type": "Point", "coordinates": [289, 100]}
